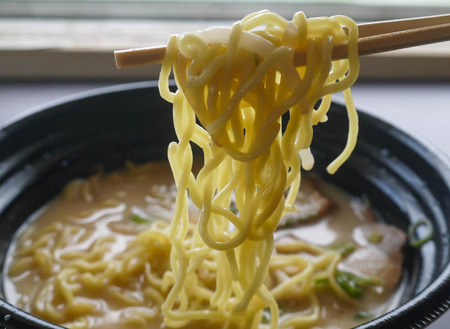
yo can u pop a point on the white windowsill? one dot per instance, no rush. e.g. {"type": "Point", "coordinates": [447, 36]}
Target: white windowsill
{"type": "Point", "coordinates": [83, 49]}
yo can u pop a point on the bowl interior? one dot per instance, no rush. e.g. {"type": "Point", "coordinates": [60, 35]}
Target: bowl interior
{"type": "Point", "coordinates": [404, 180]}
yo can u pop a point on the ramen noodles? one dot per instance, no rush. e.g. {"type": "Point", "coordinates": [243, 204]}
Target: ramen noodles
{"type": "Point", "coordinates": [210, 256]}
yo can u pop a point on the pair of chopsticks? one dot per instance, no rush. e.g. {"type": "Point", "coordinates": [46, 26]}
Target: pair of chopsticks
{"type": "Point", "coordinates": [373, 38]}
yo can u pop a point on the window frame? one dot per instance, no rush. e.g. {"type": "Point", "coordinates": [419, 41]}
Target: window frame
{"type": "Point", "coordinates": [218, 9]}
{"type": "Point", "coordinates": [72, 53]}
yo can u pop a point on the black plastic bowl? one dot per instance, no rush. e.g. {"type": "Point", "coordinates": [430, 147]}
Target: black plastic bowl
{"type": "Point", "coordinates": [404, 179]}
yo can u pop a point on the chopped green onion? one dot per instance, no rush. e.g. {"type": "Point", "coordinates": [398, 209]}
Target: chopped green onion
{"type": "Point", "coordinates": [375, 237]}
{"type": "Point", "coordinates": [322, 284]}
{"type": "Point", "coordinates": [345, 248]}
{"type": "Point", "coordinates": [352, 284]}
{"type": "Point", "coordinates": [414, 241]}
{"type": "Point", "coordinates": [139, 219]}
{"type": "Point", "coordinates": [321, 281]}
{"type": "Point", "coordinates": [363, 315]}
{"type": "Point", "coordinates": [266, 316]}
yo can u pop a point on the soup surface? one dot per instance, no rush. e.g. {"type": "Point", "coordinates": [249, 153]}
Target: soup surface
{"type": "Point", "coordinates": [98, 255]}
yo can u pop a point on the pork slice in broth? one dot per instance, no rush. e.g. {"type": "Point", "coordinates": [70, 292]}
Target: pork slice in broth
{"type": "Point", "coordinates": [380, 254]}
{"type": "Point", "coordinates": [311, 204]}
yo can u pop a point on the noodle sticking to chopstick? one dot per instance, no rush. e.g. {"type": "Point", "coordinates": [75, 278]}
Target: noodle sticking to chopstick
{"type": "Point", "coordinates": [239, 82]}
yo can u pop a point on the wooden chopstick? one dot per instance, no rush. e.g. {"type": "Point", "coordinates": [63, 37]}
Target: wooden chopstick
{"type": "Point", "coordinates": [379, 43]}
{"type": "Point", "coordinates": [139, 56]}
{"type": "Point", "coordinates": [373, 38]}
{"type": "Point", "coordinates": [373, 28]}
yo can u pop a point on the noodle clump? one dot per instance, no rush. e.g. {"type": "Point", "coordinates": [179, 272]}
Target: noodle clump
{"type": "Point", "coordinates": [239, 82]}
{"type": "Point", "coordinates": [223, 267]}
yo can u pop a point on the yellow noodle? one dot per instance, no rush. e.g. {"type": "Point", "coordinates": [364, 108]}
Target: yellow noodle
{"type": "Point", "coordinates": [261, 162]}
{"type": "Point", "coordinates": [227, 268]}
